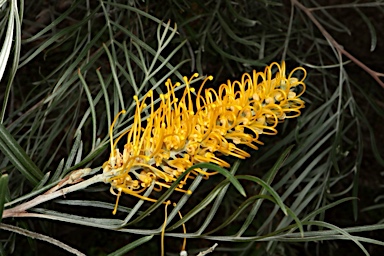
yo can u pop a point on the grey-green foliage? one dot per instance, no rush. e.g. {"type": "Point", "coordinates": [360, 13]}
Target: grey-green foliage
{"type": "Point", "coordinates": [83, 63]}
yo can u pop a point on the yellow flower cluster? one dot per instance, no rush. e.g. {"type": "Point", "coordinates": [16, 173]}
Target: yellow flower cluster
{"type": "Point", "coordinates": [191, 129]}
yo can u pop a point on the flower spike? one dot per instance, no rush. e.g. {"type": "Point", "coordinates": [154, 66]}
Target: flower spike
{"type": "Point", "coordinates": [181, 132]}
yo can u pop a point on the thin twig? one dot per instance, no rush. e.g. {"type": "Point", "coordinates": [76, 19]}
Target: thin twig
{"type": "Point", "coordinates": [349, 5]}
{"type": "Point", "coordinates": [47, 197]}
{"type": "Point", "coordinates": [209, 250]}
{"type": "Point", "coordinates": [45, 238]}
{"type": "Point", "coordinates": [308, 12]}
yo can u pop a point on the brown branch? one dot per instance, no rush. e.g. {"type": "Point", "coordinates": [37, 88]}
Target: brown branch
{"type": "Point", "coordinates": [35, 235]}
{"type": "Point", "coordinates": [339, 48]}
{"type": "Point", "coordinates": [73, 178]}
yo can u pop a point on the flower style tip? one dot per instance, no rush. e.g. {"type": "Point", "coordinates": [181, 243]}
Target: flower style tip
{"type": "Point", "coordinates": [183, 131]}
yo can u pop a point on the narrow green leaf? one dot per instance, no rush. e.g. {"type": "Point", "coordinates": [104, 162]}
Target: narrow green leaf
{"type": "Point", "coordinates": [268, 188]}
{"type": "Point", "coordinates": [223, 172]}
{"type": "Point", "coordinates": [298, 222]}
{"type": "Point", "coordinates": [92, 104]}
{"type": "Point", "coordinates": [73, 152]}
{"type": "Point", "coordinates": [96, 204]}
{"type": "Point", "coordinates": [3, 190]}
{"type": "Point", "coordinates": [18, 157]}
{"type": "Point", "coordinates": [4, 59]}
{"type": "Point", "coordinates": [59, 170]}
{"type": "Point", "coordinates": [202, 204]}
{"type": "Point", "coordinates": [343, 232]}
{"type": "Point", "coordinates": [115, 76]}
{"type": "Point", "coordinates": [246, 22]}
{"type": "Point", "coordinates": [269, 177]}
{"type": "Point", "coordinates": [161, 200]}
{"type": "Point", "coordinates": [218, 201]}
{"type": "Point", "coordinates": [123, 250]}
{"type": "Point", "coordinates": [253, 62]}
{"type": "Point", "coordinates": [234, 216]}
{"type": "Point", "coordinates": [278, 164]}
{"type": "Point", "coordinates": [7, 45]}
{"type": "Point", "coordinates": [371, 29]}
{"type": "Point", "coordinates": [231, 34]}
{"type": "Point", "coordinates": [54, 23]}
{"type": "Point", "coordinates": [42, 182]}
{"type": "Point", "coordinates": [138, 11]}
{"type": "Point", "coordinates": [326, 207]}
{"type": "Point", "coordinates": [77, 219]}
{"type": "Point", "coordinates": [66, 32]}
{"type": "Point", "coordinates": [106, 97]}
{"type": "Point", "coordinates": [164, 197]}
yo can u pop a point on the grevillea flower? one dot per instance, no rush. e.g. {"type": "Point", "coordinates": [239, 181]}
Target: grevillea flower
{"type": "Point", "coordinates": [200, 127]}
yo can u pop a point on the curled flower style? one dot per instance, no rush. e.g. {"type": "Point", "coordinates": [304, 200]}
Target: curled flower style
{"type": "Point", "coordinates": [191, 129]}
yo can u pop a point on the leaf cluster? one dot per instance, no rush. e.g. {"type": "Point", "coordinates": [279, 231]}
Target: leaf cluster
{"type": "Point", "coordinates": [67, 68]}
